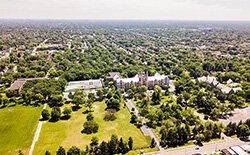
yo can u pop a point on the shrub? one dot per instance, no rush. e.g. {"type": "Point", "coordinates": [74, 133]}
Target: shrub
{"type": "Point", "coordinates": [45, 114]}
{"type": "Point", "coordinates": [110, 115]}
{"type": "Point", "coordinates": [55, 113]}
{"type": "Point", "coordinates": [67, 112]}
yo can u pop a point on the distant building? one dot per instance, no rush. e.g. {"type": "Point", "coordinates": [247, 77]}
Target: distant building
{"type": "Point", "coordinates": [113, 76]}
{"type": "Point", "coordinates": [87, 85]}
{"type": "Point", "coordinates": [18, 84]}
{"type": "Point", "coordinates": [142, 79]}
{"type": "Point", "coordinates": [211, 80]}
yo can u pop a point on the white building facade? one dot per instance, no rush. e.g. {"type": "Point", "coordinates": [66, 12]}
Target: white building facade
{"type": "Point", "coordinates": [142, 79]}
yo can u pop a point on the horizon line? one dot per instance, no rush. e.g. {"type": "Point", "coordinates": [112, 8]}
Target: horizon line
{"type": "Point", "coordinates": [117, 19]}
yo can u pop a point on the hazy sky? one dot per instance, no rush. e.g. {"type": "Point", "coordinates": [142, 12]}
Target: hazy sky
{"type": "Point", "coordinates": [127, 9]}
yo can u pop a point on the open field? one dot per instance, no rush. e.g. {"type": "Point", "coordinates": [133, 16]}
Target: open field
{"type": "Point", "coordinates": [67, 133]}
{"type": "Point", "coordinates": [17, 128]}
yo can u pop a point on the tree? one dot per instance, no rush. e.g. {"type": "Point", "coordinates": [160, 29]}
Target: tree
{"type": "Point", "coordinates": [122, 147]}
{"type": "Point", "coordinates": [243, 131]}
{"type": "Point", "coordinates": [90, 117]}
{"type": "Point", "coordinates": [20, 152]}
{"type": "Point", "coordinates": [130, 93]}
{"type": "Point", "coordinates": [88, 104]}
{"type": "Point", "coordinates": [104, 148]}
{"type": "Point", "coordinates": [113, 104]}
{"type": "Point", "coordinates": [133, 119]}
{"type": "Point", "coordinates": [112, 145]}
{"type": "Point", "coordinates": [99, 93]}
{"type": "Point", "coordinates": [61, 151]}
{"type": "Point", "coordinates": [110, 115]}
{"type": "Point", "coordinates": [153, 143]}
{"type": "Point", "coordinates": [156, 97]}
{"type": "Point", "coordinates": [94, 141]}
{"type": "Point", "coordinates": [90, 127]}
{"type": "Point", "coordinates": [11, 93]}
{"type": "Point", "coordinates": [47, 153]}
{"type": "Point", "coordinates": [74, 151]}
{"type": "Point", "coordinates": [55, 113]}
{"type": "Point", "coordinates": [45, 114]}
{"type": "Point", "coordinates": [199, 138]}
{"type": "Point", "coordinates": [248, 122]}
{"type": "Point", "coordinates": [39, 97]}
{"type": "Point", "coordinates": [67, 111]}
{"type": "Point", "coordinates": [1, 99]}
{"type": "Point", "coordinates": [91, 96]}
{"type": "Point", "coordinates": [78, 98]}
{"type": "Point", "coordinates": [180, 99]}
{"type": "Point", "coordinates": [130, 143]}
{"type": "Point", "coordinates": [215, 113]}
{"type": "Point", "coordinates": [142, 89]}
{"type": "Point", "coordinates": [56, 100]}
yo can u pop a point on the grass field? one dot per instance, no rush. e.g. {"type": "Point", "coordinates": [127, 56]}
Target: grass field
{"type": "Point", "coordinates": [67, 133]}
{"type": "Point", "coordinates": [17, 128]}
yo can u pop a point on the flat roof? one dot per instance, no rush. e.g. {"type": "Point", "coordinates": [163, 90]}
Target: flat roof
{"type": "Point", "coordinates": [85, 85]}
{"type": "Point", "coordinates": [238, 150]}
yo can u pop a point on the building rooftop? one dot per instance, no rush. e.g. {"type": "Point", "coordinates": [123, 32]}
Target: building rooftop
{"type": "Point", "coordinates": [85, 85]}
{"type": "Point", "coordinates": [238, 150]}
{"type": "Point", "coordinates": [246, 148]}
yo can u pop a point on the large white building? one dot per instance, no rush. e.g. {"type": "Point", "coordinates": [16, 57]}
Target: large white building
{"type": "Point", "coordinates": [211, 80]}
{"type": "Point", "coordinates": [142, 79]}
{"type": "Point", "coordinates": [87, 85]}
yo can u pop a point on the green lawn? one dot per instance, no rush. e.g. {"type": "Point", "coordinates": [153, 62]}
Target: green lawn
{"type": "Point", "coordinates": [67, 133]}
{"type": "Point", "coordinates": [17, 128]}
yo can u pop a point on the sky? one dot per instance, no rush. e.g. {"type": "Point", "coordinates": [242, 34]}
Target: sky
{"type": "Point", "coordinates": [127, 9]}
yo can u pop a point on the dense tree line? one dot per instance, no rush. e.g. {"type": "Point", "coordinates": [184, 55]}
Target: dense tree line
{"type": "Point", "coordinates": [114, 146]}
{"type": "Point", "coordinates": [242, 129]}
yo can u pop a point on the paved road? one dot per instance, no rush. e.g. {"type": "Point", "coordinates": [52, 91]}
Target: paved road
{"type": "Point", "coordinates": [36, 136]}
{"type": "Point", "coordinates": [145, 129]}
{"type": "Point", "coordinates": [238, 115]}
{"type": "Point", "coordinates": [34, 50]}
{"type": "Point", "coordinates": [208, 148]}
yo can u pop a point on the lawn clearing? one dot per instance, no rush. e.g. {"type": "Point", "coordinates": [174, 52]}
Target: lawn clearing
{"type": "Point", "coordinates": [67, 133]}
{"type": "Point", "coordinates": [17, 128]}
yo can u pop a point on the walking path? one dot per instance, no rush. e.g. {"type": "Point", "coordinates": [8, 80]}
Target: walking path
{"type": "Point", "coordinates": [38, 130]}
{"type": "Point", "coordinates": [145, 129]}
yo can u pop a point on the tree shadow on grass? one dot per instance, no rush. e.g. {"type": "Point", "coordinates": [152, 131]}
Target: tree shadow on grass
{"type": "Point", "coordinates": [87, 111]}
{"type": "Point", "coordinates": [53, 120]}
{"type": "Point", "coordinates": [3, 106]}
{"type": "Point", "coordinates": [75, 108]}
{"type": "Point", "coordinates": [65, 117]}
